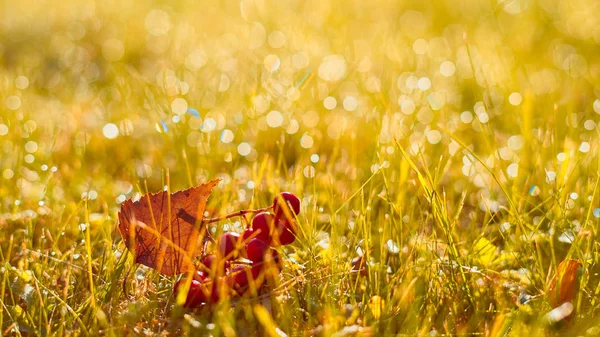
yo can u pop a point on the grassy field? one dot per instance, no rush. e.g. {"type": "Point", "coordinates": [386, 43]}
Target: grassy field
{"type": "Point", "coordinates": [452, 144]}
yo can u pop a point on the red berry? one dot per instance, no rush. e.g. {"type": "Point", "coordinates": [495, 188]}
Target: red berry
{"type": "Point", "coordinates": [263, 225]}
{"type": "Point", "coordinates": [209, 261]}
{"type": "Point", "coordinates": [255, 250]}
{"type": "Point", "coordinates": [200, 276]}
{"type": "Point", "coordinates": [228, 245]}
{"type": "Point", "coordinates": [248, 235]}
{"type": "Point", "coordinates": [214, 264]}
{"type": "Point", "coordinates": [256, 270]}
{"type": "Point", "coordinates": [239, 276]}
{"type": "Point", "coordinates": [286, 201]}
{"type": "Point", "coordinates": [195, 295]}
{"type": "Point", "coordinates": [215, 289]}
{"type": "Point", "coordinates": [287, 232]}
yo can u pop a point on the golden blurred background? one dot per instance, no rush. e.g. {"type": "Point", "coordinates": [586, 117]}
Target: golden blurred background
{"type": "Point", "coordinates": [496, 102]}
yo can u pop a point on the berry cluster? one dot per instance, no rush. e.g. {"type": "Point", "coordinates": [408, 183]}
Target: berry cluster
{"type": "Point", "coordinates": [240, 261]}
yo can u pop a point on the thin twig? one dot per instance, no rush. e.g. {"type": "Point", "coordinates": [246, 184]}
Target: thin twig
{"type": "Point", "coordinates": [239, 213]}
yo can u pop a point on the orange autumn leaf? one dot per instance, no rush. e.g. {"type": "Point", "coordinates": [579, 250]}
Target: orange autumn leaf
{"type": "Point", "coordinates": [162, 237]}
{"type": "Point", "coordinates": [563, 286]}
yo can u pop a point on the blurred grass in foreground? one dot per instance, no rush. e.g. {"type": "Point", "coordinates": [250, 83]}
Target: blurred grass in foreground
{"type": "Point", "coordinates": [495, 103]}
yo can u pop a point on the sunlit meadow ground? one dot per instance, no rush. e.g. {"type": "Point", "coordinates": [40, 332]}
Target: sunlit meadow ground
{"type": "Point", "coordinates": [495, 103]}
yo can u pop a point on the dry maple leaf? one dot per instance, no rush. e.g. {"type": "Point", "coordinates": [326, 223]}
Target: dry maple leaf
{"type": "Point", "coordinates": [563, 285]}
{"type": "Point", "coordinates": [162, 237]}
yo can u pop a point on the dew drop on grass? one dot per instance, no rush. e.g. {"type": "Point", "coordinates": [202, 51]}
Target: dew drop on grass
{"type": "Point", "coordinates": [209, 125]}
{"type": "Point", "coordinates": [13, 102]}
{"type": "Point", "coordinates": [193, 112]}
{"type": "Point", "coordinates": [424, 83]}
{"type": "Point", "coordinates": [407, 106]}
{"type": "Point", "coordinates": [306, 141]}
{"type": "Point", "coordinates": [161, 126]}
{"type": "Point", "coordinates": [534, 191]}
{"type": "Point", "coordinates": [567, 237]}
{"type": "Point", "coordinates": [226, 136]}
{"type": "Point", "coordinates": [483, 117]}
{"type": "Point", "coordinates": [276, 39]}
{"type": "Point", "coordinates": [31, 146]}
{"type": "Point", "coordinates": [271, 62]}
{"type": "Point", "coordinates": [515, 142]}
{"type": "Point", "coordinates": [515, 98]}
{"type": "Point", "coordinates": [570, 204]}
{"type": "Point", "coordinates": [110, 131]}
{"type": "Point", "coordinates": [157, 22]}
{"type": "Point", "coordinates": [274, 119]}
{"type": "Point", "coordinates": [22, 82]}
{"type": "Point", "coordinates": [293, 94]}
{"type": "Point", "coordinates": [447, 68]}
{"type": "Point", "coordinates": [350, 103]}
{"type": "Point", "coordinates": [420, 46]}
{"type": "Point", "coordinates": [332, 68]}
{"type": "Point", "coordinates": [92, 195]}
{"type": "Point", "coordinates": [293, 127]}
{"type": "Point", "coordinates": [584, 147]}
{"type": "Point", "coordinates": [597, 212]}
{"type": "Point", "coordinates": [244, 149]}
{"type": "Point", "coordinates": [589, 125]}
{"type": "Point", "coordinates": [330, 103]}
{"type": "Point", "coordinates": [466, 117]}
{"type": "Point", "coordinates": [3, 129]}
{"type": "Point", "coordinates": [434, 137]}
{"type": "Point", "coordinates": [513, 170]}
{"type": "Point", "coordinates": [309, 171]}
{"type": "Point", "coordinates": [351, 225]}
{"type": "Point", "coordinates": [120, 199]}
{"type": "Point", "coordinates": [392, 247]}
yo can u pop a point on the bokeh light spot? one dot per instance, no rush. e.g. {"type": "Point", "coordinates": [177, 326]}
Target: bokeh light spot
{"type": "Point", "coordinates": [330, 103]}
{"type": "Point", "coordinates": [515, 98]}
{"type": "Point", "coordinates": [12, 102]}
{"type": "Point", "coordinates": [227, 136]}
{"type": "Point", "coordinates": [274, 119]}
{"type": "Point", "coordinates": [110, 131]}
{"type": "Point", "coordinates": [447, 68]}
{"type": "Point", "coordinates": [244, 149]}
{"type": "Point", "coordinates": [306, 141]}
{"type": "Point", "coordinates": [332, 68]}
{"type": "Point", "coordinates": [350, 103]}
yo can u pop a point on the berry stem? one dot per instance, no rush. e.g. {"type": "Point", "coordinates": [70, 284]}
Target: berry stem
{"type": "Point", "coordinates": [238, 213]}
